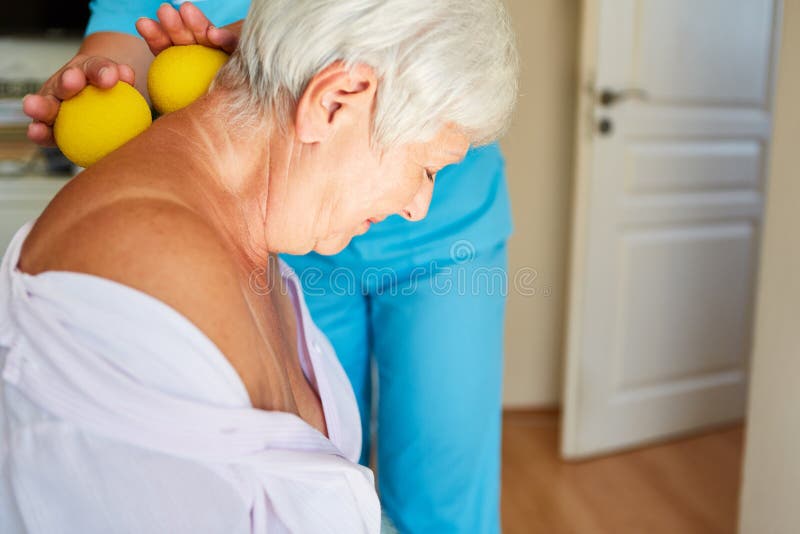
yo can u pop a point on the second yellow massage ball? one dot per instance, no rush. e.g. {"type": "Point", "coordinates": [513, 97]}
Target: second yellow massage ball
{"type": "Point", "coordinates": [180, 75]}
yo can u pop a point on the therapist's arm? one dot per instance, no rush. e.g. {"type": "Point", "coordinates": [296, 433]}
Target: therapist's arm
{"type": "Point", "coordinates": [105, 58]}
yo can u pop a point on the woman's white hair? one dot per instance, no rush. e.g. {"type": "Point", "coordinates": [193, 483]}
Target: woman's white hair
{"type": "Point", "coordinates": [437, 61]}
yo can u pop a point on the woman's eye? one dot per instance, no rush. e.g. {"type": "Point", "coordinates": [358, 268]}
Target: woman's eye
{"type": "Point", "coordinates": [431, 175]}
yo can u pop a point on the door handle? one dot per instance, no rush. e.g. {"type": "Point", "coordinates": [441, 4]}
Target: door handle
{"type": "Point", "coordinates": [609, 97]}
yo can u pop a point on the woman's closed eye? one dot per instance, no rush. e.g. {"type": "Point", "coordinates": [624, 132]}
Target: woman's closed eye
{"type": "Point", "coordinates": [431, 175]}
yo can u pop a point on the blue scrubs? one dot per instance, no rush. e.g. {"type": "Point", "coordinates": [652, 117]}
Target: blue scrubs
{"type": "Point", "coordinates": [425, 301]}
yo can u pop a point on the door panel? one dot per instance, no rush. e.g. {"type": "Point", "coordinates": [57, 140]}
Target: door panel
{"type": "Point", "coordinates": [668, 207]}
{"type": "Point", "coordinates": [707, 52]}
{"type": "Point", "coordinates": [693, 166]}
{"type": "Point", "coordinates": [683, 302]}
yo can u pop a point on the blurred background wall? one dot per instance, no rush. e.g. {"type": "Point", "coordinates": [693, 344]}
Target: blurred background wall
{"type": "Point", "coordinates": [538, 150]}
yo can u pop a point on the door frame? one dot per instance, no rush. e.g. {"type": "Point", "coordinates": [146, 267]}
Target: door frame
{"type": "Point", "coordinates": [578, 229]}
{"type": "Point", "coordinates": [576, 260]}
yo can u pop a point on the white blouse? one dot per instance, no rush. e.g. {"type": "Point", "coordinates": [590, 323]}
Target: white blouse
{"type": "Point", "coordinates": [117, 414]}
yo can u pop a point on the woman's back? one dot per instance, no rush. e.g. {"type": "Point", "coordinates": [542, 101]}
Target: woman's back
{"type": "Point", "coordinates": [142, 234]}
{"type": "Point", "coordinates": [114, 401]}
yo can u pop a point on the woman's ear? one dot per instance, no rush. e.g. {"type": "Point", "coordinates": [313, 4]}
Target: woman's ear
{"type": "Point", "coordinates": [334, 98]}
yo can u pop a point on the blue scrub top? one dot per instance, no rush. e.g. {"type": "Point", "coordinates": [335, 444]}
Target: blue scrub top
{"type": "Point", "coordinates": [470, 208]}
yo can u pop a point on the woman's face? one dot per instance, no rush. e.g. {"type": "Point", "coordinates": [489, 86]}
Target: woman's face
{"type": "Point", "coordinates": [335, 183]}
{"type": "Point", "coordinates": [373, 185]}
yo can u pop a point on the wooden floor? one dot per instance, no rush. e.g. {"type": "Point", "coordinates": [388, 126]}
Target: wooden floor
{"type": "Point", "coordinates": [682, 487]}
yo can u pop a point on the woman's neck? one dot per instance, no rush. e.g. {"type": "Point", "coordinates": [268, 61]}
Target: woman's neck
{"type": "Point", "coordinates": [223, 173]}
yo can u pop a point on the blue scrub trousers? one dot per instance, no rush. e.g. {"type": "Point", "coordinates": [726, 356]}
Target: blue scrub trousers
{"type": "Point", "coordinates": [436, 336]}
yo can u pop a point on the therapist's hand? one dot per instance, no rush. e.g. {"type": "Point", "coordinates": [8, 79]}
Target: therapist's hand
{"type": "Point", "coordinates": [108, 57]}
{"type": "Point", "coordinates": [67, 82]}
{"type": "Point", "coordinates": [185, 26]}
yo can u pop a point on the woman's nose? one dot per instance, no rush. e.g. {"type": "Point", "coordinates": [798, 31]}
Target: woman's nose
{"type": "Point", "coordinates": [417, 209]}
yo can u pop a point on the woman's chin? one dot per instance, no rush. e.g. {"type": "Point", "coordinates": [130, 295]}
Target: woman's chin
{"type": "Point", "coordinates": [335, 243]}
{"type": "Point", "coordinates": [363, 228]}
{"type": "Point", "coordinates": [332, 245]}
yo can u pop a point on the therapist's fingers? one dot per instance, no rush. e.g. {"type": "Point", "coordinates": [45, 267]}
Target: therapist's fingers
{"type": "Point", "coordinates": [41, 108]}
{"type": "Point", "coordinates": [185, 26]}
{"type": "Point", "coordinates": [126, 73]}
{"type": "Point", "coordinates": [105, 73]}
{"type": "Point", "coordinates": [41, 134]}
{"type": "Point", "coordinates": [173, 24]}
{"type": "Point", "coordinates": [226, 38]}
{"type": "Point", "coordinates": [197, 22]}
{"type": "Point", "coordinates": [153, 34]}
{"type": "Point", "coordinates": [67, 82]}
{"type": "Point", "coordinates": [43, 111]}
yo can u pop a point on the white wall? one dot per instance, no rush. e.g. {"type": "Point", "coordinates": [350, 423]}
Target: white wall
{"type": "Point", "coordinates": [538, 150]}
{"type": "Point", "coordinates": [770, 502]}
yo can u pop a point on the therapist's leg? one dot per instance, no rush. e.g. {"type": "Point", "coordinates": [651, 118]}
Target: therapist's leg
{"type": "Point", "coordinates": [439, 357]}
{"type": "Point", "coordinates": [339, 309]}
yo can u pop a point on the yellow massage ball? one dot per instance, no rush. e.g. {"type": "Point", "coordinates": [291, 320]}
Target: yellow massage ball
{"type": "Point", "coordinates": [179, 75]}
{"type": "Point", "coordinates": [96, 122]}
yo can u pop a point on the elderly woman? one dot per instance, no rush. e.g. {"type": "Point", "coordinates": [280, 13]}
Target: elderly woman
{"type": "Point", "coordinates": [160, 370]}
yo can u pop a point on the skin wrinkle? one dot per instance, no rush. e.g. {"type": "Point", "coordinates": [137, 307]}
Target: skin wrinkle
{"type": "Point", "coordinates": [322, 217]}
{"type": "Point", "coordinates": [210, 150]}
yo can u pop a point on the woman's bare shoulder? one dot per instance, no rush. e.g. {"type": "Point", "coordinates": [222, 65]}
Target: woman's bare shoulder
{"type": "Point", "coordinates": [116, 236]}
{"type": "Point", "coordinates": [156, 246]}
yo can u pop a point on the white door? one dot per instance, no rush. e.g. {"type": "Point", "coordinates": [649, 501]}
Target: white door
{"type": "Point", "coordinates": [672, 138]}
